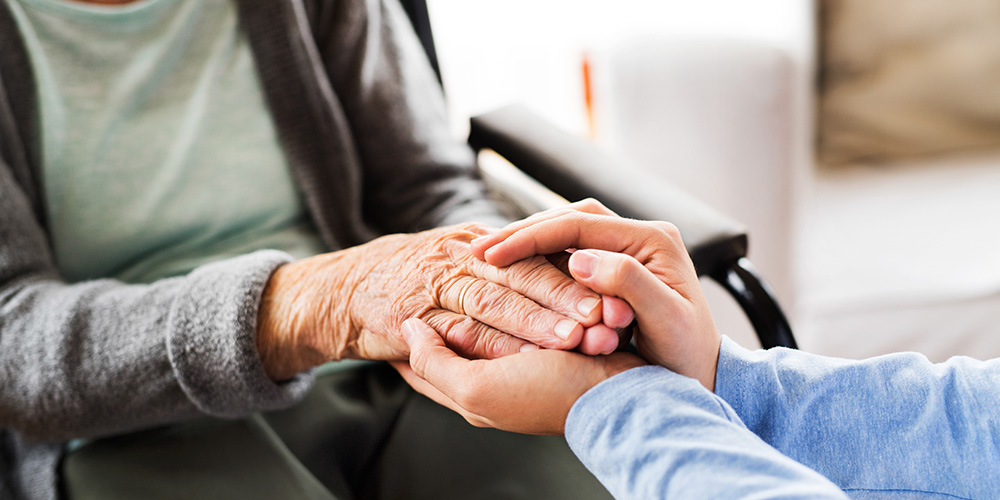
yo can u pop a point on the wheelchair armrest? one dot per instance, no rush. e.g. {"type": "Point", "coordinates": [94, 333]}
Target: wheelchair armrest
{"type": "Point", "coordinates": [576, 168]}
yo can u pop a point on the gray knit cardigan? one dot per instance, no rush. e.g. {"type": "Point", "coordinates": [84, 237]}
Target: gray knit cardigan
{"type": "Point", "coordinates": [362, 123]}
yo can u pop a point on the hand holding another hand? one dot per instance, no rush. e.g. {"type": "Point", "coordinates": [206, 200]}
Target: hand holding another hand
{"type": "Point", "coordinates": [643, 262]}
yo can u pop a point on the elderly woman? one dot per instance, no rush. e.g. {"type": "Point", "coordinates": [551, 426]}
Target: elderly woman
{"type": "Point", "coordinates": [781, 423]}
{"type": "Point", "coordinates": [190, 195]}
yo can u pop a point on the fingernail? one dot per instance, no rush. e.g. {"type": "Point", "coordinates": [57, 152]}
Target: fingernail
{"type": "Point", "coordinates": [480, 239]}
{"type": "Point", "coordinates": [409, 328]}
{"type": "Point", "coordinates": [583, 263]}
{"type": "Point", "coordinates": [587, 305]}
{"type": "Point", "coordinates": [564, 328]}
{"type": "Point", "coordinates": [529, 348]}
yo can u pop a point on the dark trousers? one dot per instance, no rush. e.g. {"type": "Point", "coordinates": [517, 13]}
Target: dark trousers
{"type": "Point", "coordinates": [359, 434]}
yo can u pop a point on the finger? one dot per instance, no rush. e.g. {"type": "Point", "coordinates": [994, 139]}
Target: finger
{"type": "Point", "coordinates": [599, 339]}
{"type": "Point", "coordinates": [431, 359]}
{"type": "Point", "coordinates": [508, 311]}
{"type": "Point", "coordinates": [617, 313]}
{"type": "Point", "coordinates": [619, 316]}
{"type": "Point", "coordinates": [473, 339]}
{"type": "Point", "coordinates": [592, 206]}
{"type": "Point", "coordinates": [537, 279]}
{"type": "Point", "coordinates": [581, 230]}
{"type": "Point", "coordinates": [588, 205]}
{"type": "Point", "coordinates": [440, 374]}
{"type": "Point", "coordinates": [424, 387]}
{"type": "Point", "coordinates": [623, 276]}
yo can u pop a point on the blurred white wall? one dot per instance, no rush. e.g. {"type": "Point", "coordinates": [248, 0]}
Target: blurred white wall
{"type": "Point", "coordinates": [530, 51]}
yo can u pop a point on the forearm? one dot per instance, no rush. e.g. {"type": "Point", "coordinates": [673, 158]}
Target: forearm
{"type": "Point", "coordinates": [650, 433]}
{"type": "Point", "coordinates": [895, 422]}
{"type": "Point", "coordinates": [103, 357]}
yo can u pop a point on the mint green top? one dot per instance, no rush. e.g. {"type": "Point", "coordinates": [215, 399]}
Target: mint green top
{"type": "Point", "coordinates": [159, 154]}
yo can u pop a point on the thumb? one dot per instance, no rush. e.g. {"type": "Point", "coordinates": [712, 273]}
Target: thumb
{"type": "Point", "coordinates": [621, 275]}
{"type": "Point", "coordinates": [430, 358]}
{"type": "Point", "coordinates": [418, 334]}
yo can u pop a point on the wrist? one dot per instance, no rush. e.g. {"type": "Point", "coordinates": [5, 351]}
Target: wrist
{"type": "Point", "coordinates": [707, 378]}
{"type": "Point", "coordinates": [276, 335]}
{"type": "Point", "coordinates": [704, 366]}
{"type": "Point", "coordinates": [296, 326]}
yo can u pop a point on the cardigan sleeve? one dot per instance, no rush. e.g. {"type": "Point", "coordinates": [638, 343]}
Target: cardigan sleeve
{"type": "Point", "coordinates": [102, 357]}
{"type": "Point", "coordinates": [417, 174]}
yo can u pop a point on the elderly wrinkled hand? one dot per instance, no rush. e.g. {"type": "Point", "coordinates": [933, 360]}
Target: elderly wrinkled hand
{"type": "Point", "coordinates": [352, 303]}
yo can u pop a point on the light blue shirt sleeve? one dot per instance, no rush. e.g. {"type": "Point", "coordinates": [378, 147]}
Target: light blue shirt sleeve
{"type": "Point", "coordinates": [649, 433]}
{"type": "Point", "coordinates": [895, 426]}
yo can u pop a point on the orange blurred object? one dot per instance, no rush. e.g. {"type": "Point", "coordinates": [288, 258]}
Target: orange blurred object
{"type": "Point", "coordinates": [588, 96]}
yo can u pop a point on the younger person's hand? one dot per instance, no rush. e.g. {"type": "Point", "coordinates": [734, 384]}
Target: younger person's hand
{"type": "Point", "coordinates": [644, 263]}
{"type": "Point", "coordinates": [530, 392]}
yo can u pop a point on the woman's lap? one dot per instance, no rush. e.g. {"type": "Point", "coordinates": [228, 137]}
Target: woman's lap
{"type": "Point", "coordinates": [360, 434]}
